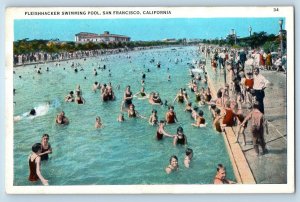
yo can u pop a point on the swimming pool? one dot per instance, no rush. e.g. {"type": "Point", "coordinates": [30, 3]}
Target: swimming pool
{"type": "Point", "coordinates": [120, 153]}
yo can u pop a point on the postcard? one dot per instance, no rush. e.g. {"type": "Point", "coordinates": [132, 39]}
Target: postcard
{"type": "Point", "coordinates": [149, 100]}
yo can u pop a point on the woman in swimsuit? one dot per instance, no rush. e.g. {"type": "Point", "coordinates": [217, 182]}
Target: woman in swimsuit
{"type": "Point", "coordinates": [79, 100]}
{"type": "Point", "coordinates": [132, 113]}
{"type": "Point", "coordinates": [179, 137]}
{"type": "Point", "coordinates": [141, 94]}
{"type": "Point", "coordinates": [128, 97]}
{"type": "Point", "coordinates": [180, 97]}
{"type": "Point", "coordinates": [34, 163]}
{"type": "Point", "coordinates": [160, 133]}
{"type": "Point", "coordinates": [46, 148]}
{"type": "Point", "coordinates": [173, 166]}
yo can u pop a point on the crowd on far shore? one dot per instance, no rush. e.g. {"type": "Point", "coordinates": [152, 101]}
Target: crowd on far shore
{"type": "Point", "coordinates": [43, 57]}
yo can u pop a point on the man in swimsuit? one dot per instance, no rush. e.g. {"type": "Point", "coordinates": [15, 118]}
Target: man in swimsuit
{"type": "Point", "coordinates": [220, 177]}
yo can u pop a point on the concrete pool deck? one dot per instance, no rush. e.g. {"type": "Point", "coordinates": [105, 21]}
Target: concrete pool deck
{"type": "Point", "coordinates": [270, 168]}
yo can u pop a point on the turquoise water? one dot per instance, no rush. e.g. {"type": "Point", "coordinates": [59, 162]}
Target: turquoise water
{"type": "Point", "coordinates": [120, 153]}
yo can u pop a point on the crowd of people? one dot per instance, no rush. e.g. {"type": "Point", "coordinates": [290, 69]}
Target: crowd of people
{"type": "Point", "coordinates": [243, 89]}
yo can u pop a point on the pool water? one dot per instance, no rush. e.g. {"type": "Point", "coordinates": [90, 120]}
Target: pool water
{"type": "Point", "coordinates": [119, 153]}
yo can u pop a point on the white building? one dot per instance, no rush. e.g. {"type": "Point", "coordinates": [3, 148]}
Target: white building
{"type": "Point", "coordinates": [106, 37]}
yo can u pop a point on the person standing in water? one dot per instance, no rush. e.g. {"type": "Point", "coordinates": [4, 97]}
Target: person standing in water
{"type": "Point", "coordinates": [46, 148]}
{"type": "Point", "coordinates": [34, 162]}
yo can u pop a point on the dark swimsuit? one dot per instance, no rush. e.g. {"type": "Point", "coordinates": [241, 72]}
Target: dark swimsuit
{"type": "Point", "coordinates": [33, 177]}
{"type": "Point", "coordinates": [128, 102]}
{"type": "Point", "coordinates": [181, 141]}
{"type": "Point", "coordinates": [180, 98]}
{"type": "Point", "coordinates": [45, 156]}
{"type": "Point", "coordinates": [159, 135]}
{"type": "Point", "coordinates": [143, 94]}
{"type": "Point", "coordinates": [132, 115]}
{"type": "Point", "coordinates": [80, 101]}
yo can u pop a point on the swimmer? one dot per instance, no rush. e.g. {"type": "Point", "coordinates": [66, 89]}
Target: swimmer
{"type": "Point", "coordinates": [121, 117]}
{"type": "Point", "coordinates": [180, 97]}
{"type": "Point", "coordinates": [127, 98]}
{"type": "Point", "coordinates": [178, 138]}
{"type": "Point", "coordinates": [171, 116]}
{"type": "Point", "coordinates": [34, 162]}
{"type": "Point", "coordinates": [96, 86]}
{"type": "Point", "coordinates": [79, 99]}
{"type": "Point", "coordinates": [153, 118]}
{"type": "Point", "coordinates": [132, 113]}
{"type": "Point", "coordinates": [70, 97]}
{"type": "Point", "coordinates": [155, 99]}
{"type": "Point", "coordinates": [61, 119]}
{"type": "Point", "coordinates": [188, 157]}
{"type": "Point", "coordinates": [141, 93]}
{"type": "Point", "coordinates": [220, 177]}
{"type": "Point", "coordinates": [32, 112]}
{"type": "Point", "coordinates": [46, 148]}
{"type": "Point", "coordinates": [98, 123]}
{"type": "Point", "coordinates": [160, 133]}
{"type": "Point", "coordinates": [200, 121]}
{"type": "Point", "coordinates": [173, 166]}
{"type": "Point", "coordinates": [78, 90]}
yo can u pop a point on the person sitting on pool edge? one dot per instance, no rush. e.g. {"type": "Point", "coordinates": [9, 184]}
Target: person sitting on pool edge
{"type": "Point", "coordinates": [171, 116]}
{"type": "Point", "coordinates": [61, 119]}
{"type": "Point", "coordinates": [173, 166]}
{"type": "Point", "coordinates": [188, 157]}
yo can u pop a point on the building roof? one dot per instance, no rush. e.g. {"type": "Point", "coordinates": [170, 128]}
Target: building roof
{"type": "Point", "coordinates": [92, 35]}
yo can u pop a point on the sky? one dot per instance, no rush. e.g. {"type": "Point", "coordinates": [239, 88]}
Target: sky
{"type": "Point", "coordinates": [144, 29]}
